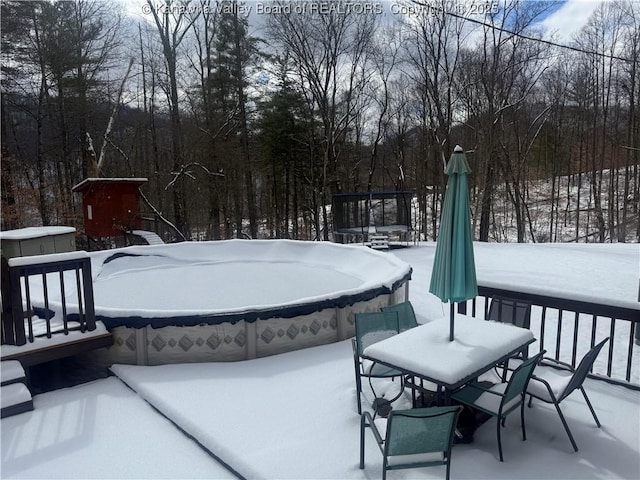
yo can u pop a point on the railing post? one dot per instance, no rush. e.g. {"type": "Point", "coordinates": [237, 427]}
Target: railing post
{"type": "Point", "coordinates": [87, 286]}
{"type": "Point", "coordinates": [8, 336]}
{"type": "Point", "coordinates": [12, 314]}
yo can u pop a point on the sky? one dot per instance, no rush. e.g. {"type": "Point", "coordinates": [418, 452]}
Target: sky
{"type": "Point", "coordinates": [293, 416]}
{"type": "Point", "coordinates": [567, 20]}
{"type": "Point", "coordinates": [563, 22]}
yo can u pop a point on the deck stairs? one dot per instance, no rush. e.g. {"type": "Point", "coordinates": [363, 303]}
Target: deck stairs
{"type": "Point", "coordinates": [151, 238]}
{"type": "Point", "coordinates": [14, 393]}
{"type": "Point", "coordinates": [379, 242]}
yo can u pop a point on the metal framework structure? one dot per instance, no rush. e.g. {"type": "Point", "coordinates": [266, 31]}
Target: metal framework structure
{"type": "Point", "coordinates": [361, 214]}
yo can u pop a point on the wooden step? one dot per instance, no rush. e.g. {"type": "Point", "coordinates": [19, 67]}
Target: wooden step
{"type": "Point", "coordinates": [15, 399]}
{"type": "Point", "coordinates": [11, 371]}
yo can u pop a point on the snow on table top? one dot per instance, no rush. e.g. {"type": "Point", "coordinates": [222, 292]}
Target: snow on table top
{"type": "Point", "coordinates": [426, 349]}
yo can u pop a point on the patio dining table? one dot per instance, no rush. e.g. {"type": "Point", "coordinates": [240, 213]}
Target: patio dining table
{"type": "Point", "coordinates": [427, 353]}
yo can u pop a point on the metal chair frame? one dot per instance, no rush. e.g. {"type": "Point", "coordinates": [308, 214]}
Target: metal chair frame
{"type": "Point", "coordinates": [384, 322]}
{"type": "Point", "coordinates": [513, 311]}
{"type": "Point", "coordinates": [411, 437]}
{"type": "Point", "coordinates": [512, 397]}
{"type": "Point", "coordinates": [578, 377]}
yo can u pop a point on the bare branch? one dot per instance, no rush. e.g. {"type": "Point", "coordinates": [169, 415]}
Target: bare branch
{"type": "Point", "coordinates": [112, 119]}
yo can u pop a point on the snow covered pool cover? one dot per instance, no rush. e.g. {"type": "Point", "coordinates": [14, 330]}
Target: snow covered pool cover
{"type": "Point", "coordinates": [191, 283]}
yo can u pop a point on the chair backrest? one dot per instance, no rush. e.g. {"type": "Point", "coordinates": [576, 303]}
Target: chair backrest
{"type": "Point", "coordinates": [520, 379]}
{"type": "Point", "coordinates": [406, 315]}
{"type": "Point", "coordinates": [421, 430]}
{"type": "Point", "coordinates": [584, 367]}
{"type": "Point", "coordinates": [510, 310]}
{"type": "Point", "coordinates": [372, 327]}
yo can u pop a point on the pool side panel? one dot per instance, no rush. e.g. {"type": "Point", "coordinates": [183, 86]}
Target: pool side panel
{"type": "Point", "coordinates": [240, 340]}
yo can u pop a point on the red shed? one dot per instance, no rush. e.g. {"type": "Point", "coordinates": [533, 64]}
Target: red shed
{"type": "Point", "coordinates": [110, 205]}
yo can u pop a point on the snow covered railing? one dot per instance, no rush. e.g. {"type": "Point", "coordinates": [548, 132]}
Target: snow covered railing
{"type": "Point", "coordinates": [568, 327]}
{"type": "Point", "coordinates": [67, 291]}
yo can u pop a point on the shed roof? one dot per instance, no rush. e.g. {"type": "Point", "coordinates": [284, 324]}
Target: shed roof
{"type": "Point", "coordinates": [87, 182]}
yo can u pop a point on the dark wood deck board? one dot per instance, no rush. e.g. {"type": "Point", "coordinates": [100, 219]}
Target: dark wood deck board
{"type": "Point", "coordinates": [61, 350]}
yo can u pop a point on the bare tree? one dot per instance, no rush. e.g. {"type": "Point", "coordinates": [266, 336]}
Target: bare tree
{"type": "Point", "coordinates": [498, 78]}
{"type": "Point", "coordinates": [631, 89]}
{"type": "Point", "coordinates": [172, 25]}
{"type": "Point", "coordinates": [601, 35]}
{"type": "Point", "coordinates": [329, 49]}
{"type": "Point", "coordinates": [433, 49]}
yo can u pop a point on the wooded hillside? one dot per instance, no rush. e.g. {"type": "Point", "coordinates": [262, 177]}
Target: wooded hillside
{"type": "Point", "coordinates": [246, 124]}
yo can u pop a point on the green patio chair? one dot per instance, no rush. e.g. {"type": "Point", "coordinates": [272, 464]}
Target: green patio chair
{"type": "Point", "coordinates": [406, 315]}
{"type": "Point", "coordinates": [421, 437]}
{"type": "Point", "coordinates": [501, 399]}
{"type": "Point", "coordinates": [553, 381]}
{"type": "Point", "coordinates": [510, 310]}
{"type": "Point", "coordinates": [407, 320]}
{"type": "Point", "coordinates": [514, 311]}
{"type": "Point", "coordinates": [372, 327]}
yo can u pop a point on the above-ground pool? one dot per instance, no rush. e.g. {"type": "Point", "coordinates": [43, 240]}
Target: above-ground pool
{"type": "Point", "coordinates": [237, 299]}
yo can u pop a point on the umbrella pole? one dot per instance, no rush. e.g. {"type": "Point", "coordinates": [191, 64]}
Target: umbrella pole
{"type": "Point", "coordinates": [451, 316]}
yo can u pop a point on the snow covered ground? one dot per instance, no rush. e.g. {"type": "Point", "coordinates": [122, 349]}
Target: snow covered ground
{"type": "Point", "coordinates": [294, 415]}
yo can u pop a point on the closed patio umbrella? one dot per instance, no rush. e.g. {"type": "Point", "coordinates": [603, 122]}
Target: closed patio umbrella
{"type": "Point", "coordinates": [453, 278]}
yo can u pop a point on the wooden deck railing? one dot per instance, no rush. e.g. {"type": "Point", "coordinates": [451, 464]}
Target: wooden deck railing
{"type": "Point", "coordinates": [568, 328]}
{"type": "Point", "coordinates": [68, 275]}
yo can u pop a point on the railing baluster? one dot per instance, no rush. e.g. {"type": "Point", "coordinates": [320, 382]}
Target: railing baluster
{"type": "Point", "coordinates": [486, 306]}
{"type": "Point", "coordinates": [558, 334]}
{"type": "Point", "coordinates": [81, 317]}
{"type": "Point", "coordinates": [594, 326]}
{"type": "Point", "coordinates": [46, 303]}
{"type": "Point", "coordinates": [65, 323]}
{"type": "Point", "coordinates": [632, 328]}
{"type": "Point", "coordinates": [574, 352]}
{"type": "Point", "coordinates": [28, 312]}
{"type": "Point", "coordinates": [611, 341]}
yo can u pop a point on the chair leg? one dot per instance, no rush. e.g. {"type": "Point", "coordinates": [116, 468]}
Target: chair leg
{"type": "Point", "coordinates": [499, 441]}
{"type": "Point", "coordinates": [566, 427]}
{"type": "Point", "coordinates": [524, 433]}
{"type": "Point", "coordinates": [358, 392]}
{"type": "Point", "coordinates": [593, 412]}
{"type": "Point", "coordinates": [362, 427]}
{"type": "Point", "coordinates": [505, 368]}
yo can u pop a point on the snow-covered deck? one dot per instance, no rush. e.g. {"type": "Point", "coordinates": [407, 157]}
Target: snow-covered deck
{"type": "Point", "coordinates": [289, 416]}
{"type": "Point", "coordinates": [294, 415]}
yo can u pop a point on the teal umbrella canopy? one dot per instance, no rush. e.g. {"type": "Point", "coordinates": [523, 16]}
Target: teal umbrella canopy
{"type": "Point", "coordinates": [453, 278]}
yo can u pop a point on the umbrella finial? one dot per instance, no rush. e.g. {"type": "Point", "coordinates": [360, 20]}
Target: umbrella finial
{"type": "Point", "coordinates": [458, 149]}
